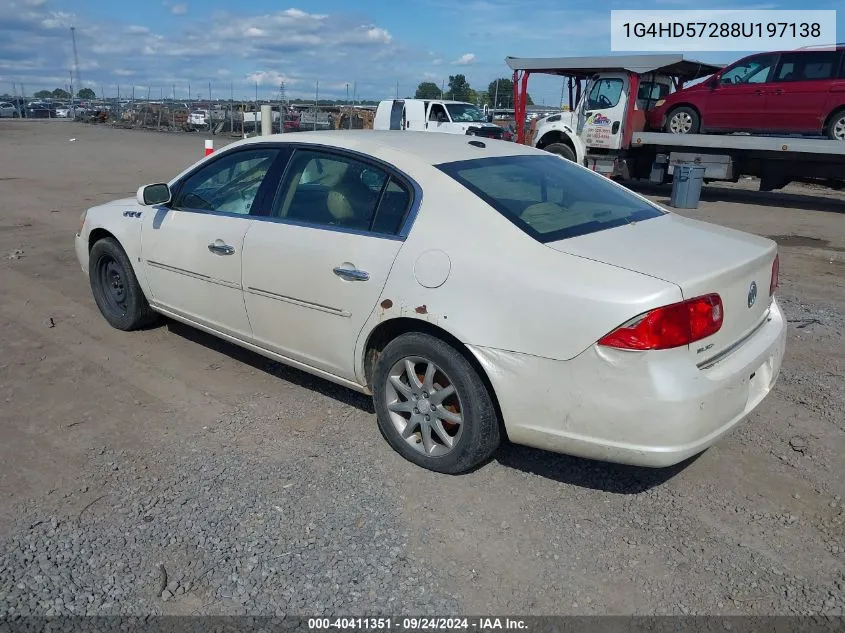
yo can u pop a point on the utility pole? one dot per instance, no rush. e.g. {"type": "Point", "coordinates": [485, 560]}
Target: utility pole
{"type": "Point", "coordinates": [316, 101]}
{"type": "Point", "coordinates": [75, 55]}
{"type": "Point", "coordinates": [496, 97]}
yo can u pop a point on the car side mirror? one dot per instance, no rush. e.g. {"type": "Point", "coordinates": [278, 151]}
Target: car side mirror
{"type": "Point", "coordinates": [148, 195]}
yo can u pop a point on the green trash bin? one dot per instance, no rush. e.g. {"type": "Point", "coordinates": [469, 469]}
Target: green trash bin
{"type": "Point", "coordinates": [686, 186]}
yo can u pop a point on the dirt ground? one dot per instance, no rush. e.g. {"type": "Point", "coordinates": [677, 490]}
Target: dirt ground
{"type": "Point", "coordinates": [98, 426]}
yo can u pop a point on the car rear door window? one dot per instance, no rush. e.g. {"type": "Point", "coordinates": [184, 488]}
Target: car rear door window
{"type": "Point", "coordinates": [334, 190]}
{"type": "Point", "coordinates": [549, 198]}
{"type": "Point", "coordinates": [807, 66]}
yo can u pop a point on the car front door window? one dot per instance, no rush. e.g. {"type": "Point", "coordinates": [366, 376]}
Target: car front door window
{"type": "Point", "coordinates": [752, 71]}
{"type": "Point", "coordinates": [229, 184]}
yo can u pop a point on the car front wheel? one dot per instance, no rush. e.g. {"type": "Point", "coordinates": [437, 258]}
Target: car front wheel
{"type": "Point", "coordinates": [115, 287]}
{"type": "Point", "coordinates": [683, 120]}
{"type": "Point", "coordinates": [561, 149]}
{"type": "Point", "coordinates": [432, 406]}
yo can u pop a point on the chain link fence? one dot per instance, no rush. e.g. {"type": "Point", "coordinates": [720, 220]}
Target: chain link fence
{"type": "Point", "coordinates": [235, 118]}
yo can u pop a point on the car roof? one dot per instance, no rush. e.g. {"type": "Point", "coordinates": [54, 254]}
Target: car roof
{"type": "Point", "coordinates": [430, 147]}
{"type": "Point", "coordinates": [805, 49]}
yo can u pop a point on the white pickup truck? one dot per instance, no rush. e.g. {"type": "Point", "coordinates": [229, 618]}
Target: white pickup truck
{"type": "Point", "coordinates": [433, 115]}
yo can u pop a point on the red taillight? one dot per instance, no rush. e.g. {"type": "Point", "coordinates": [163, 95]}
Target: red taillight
{"type": "Point", "coordinates": [775, 274]}
{"type": "Point", "coordinates": [670, 326]}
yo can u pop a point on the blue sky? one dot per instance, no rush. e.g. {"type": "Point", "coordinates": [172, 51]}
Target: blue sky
{"type": "Point", "coordinates": [157, 44]}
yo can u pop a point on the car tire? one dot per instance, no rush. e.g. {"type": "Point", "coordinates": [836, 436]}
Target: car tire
{"type": "Point", "coordinates": [682, 120]}
{"type": "Point", "coordinates": [418, 423]}
{"type": "Point", "coordinates": [561, 149]}
{"type": "Point", "coordinates": [115, 287]}
{"type": "Point", "coordinates": [836, 126]}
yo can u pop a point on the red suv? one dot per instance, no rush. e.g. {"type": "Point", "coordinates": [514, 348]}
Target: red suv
{"type": "Point", "coordinates": [790, 92]}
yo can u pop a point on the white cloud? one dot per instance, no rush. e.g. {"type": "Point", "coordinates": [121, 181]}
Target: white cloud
{"type": "Point", "coordinates": [179, 9]}
{"type": "Point", "coordinates": [290, 45]}
{"type": "Point", "coordinates": [465, 60]}
{"type": "Point", "coordinates": [57, 20]}
{"type": "Point", "coordinates": [270, 77]}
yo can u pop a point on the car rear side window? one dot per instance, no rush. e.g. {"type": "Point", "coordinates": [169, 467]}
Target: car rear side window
{"type": "Point", "coordinates": [807, 66]}
{"type": "Point", "coordinates": [392, 209]}
{"type": "Point", "coordinates": [548, 197]}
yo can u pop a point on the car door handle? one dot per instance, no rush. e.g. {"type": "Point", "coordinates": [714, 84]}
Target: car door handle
{"type": "Point", "coordinates": [351, 274]}
{"type": "Point", "coordinates": [221, 249]}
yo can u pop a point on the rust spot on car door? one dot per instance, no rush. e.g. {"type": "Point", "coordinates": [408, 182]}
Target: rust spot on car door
{"type": "Point", "coordinates": [387, 304]}
{"type": "Point", "coordinates": [421, 309]}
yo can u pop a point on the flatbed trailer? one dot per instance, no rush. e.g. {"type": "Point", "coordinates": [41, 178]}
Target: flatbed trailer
{"type": "Point", "coordinates": [775, 160]}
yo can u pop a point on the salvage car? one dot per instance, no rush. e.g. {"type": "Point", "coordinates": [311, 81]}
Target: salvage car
{"type": "Point", "coordinates": [479, 290]}
{"type": "Point", "coordinates": [791, 92]}
{"type": "Point", "coordinates": [8, 109]}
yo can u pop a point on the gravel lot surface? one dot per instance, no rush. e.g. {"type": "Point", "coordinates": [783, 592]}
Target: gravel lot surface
{"type": "Point", "coordinates": [166, 472]}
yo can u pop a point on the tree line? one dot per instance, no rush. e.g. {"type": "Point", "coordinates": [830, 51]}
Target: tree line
{"type": "Point", "coordinates": [59, 93]}
{"type": "Point", "coordinates": [458, 89]}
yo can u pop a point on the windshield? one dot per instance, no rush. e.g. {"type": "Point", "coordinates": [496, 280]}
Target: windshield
{"type": "Point", "coordinates": [605, 93]}
{"type": "Point", "coordinates": [548, 197]}
{"type": "Point", "coordinates": [465, 113]}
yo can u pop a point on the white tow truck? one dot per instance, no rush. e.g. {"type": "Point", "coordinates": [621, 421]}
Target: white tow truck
{"type": "Point", "coordinates": [436, 115]}
{"type": "Point", "coordinates": [606, 129]}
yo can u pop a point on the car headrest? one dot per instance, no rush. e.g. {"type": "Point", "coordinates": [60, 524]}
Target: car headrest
{"type": "Point", "coordinates": [339, 205]}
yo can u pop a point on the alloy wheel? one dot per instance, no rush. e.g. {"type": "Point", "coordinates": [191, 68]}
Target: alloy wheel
{"type": "Point", "coordinates": [424, 405]}
{"type": "Point", "coordinates": [680, 123]}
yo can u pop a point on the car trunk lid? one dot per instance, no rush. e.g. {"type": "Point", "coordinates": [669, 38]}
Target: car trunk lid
{"type": "Point", "coordinates": [699, 258]}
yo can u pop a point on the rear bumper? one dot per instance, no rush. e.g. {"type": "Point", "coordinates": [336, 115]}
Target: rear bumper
{"type": "Point", "coordinates": [642, 408]}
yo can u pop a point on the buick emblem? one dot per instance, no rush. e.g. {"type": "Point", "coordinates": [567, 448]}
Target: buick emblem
{"type": "Point", "coordinates": [752, 293]}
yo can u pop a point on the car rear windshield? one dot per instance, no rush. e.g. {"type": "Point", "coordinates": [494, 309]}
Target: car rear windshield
{"type": "Point", "coordinates": [549, 197]}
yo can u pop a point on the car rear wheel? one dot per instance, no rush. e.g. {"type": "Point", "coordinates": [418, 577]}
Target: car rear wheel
{"type": "Point", "coordinates": [836, 127]}
{"type": "Point", "coordinates": [432, 406]}
{"type": "Point", "coordinates": [561, 149]}
{"type": "Point", "coordinates": [115, 287]}
{"type": "Point", "coordinates": [683, 120]}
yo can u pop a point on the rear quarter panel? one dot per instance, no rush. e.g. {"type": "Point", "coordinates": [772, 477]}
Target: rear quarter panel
{"type": "Point", "coordinates": [504, 290]}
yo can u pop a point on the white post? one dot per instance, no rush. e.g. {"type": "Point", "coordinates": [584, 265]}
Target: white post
{"type": "Point", "coordinates": [266, 120]}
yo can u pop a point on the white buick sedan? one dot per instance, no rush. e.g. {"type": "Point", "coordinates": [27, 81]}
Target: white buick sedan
{"type": "Point", "coordinates": [477, 289]}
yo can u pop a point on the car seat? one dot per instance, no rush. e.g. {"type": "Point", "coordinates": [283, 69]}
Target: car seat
{"type": "Point", "coordinates": [351, 202]}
